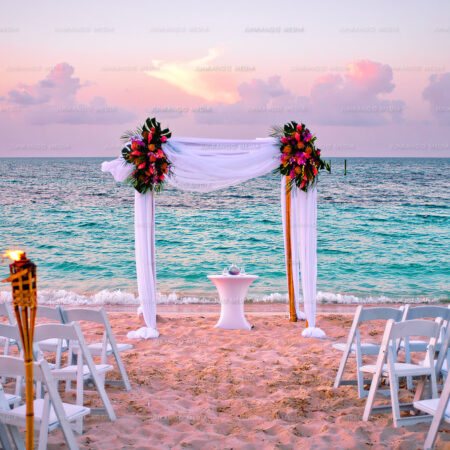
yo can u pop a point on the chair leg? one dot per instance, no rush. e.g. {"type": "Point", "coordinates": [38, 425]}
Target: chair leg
{"type": "Point", "coordinates": [78, 427]}
{"type": "Point", "coordinates": [4, 439]}
{"type": "Point", "coordinates": [43, 431]}
{"type": "Point", "coordinates": [371, 397]}
{"type": "Point", "coordinates": [393, 386]}
{"type": "Point", "coordinates": [123, 372]}
{"type": "Point", "coordinates": [360, 376]}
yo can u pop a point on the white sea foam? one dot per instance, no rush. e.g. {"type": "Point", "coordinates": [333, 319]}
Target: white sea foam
{"type": "Point", "coordinates": [118, 297]}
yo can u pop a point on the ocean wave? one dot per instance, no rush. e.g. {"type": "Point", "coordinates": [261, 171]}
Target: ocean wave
{"type": "Point", "coordinates": [118, 297]}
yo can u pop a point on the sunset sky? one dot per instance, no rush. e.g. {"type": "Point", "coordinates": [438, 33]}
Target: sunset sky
{"type": "Point", "coordinates": [370, 78]}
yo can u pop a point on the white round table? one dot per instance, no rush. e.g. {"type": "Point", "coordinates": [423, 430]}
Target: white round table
{"type": "Point", "coordinates": [232, 290]}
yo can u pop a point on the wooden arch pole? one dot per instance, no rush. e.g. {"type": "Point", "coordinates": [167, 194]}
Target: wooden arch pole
{"type": "Point", "coordinates": [292, 312]}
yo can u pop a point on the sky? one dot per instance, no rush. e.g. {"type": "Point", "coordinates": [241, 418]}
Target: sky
{"type": "Point", "coordinates": [369, 78]}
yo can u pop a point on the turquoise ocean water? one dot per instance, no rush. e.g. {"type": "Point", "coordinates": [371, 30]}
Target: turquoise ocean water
{"type": "Point", "coordinates": [383, 232]}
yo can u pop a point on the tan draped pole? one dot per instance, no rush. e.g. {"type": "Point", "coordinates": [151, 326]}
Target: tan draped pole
{"type": "Point", "coordinates": [292, 313]}
{"type": "Point", "coordinates": [23, 280]}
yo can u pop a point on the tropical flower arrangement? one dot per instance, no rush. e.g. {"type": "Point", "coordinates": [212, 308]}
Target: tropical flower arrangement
{"type": "Point", "coordinates": [143, 150]}
{"type": "Point", "coordinates": [300, 158]}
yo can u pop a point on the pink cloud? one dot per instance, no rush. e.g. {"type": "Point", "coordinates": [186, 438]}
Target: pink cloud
{"type": "Point", "coordinates": [354, 99]}
{"type": "Point", "coordinates": [437, 93]}
{"type": "Point", "coordinates": [54, 100]}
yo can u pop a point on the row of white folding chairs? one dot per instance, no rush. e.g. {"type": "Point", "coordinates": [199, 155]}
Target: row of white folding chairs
{"type": "Point", "coordinates": [388, 366]}
{"type": "Point", "coordinates": [108, 345]}
{"type": "Point", "coordinates": [354, 345]}
{"type": "Point", "coordinates": [84, 369]}
{"type": "Point", "coordinates": [49, 412]}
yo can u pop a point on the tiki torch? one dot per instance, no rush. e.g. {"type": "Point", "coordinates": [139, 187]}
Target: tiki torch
{"type": "Point", "coordinates": [23, 281]}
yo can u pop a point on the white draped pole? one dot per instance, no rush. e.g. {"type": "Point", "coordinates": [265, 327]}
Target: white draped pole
{"type": "Point", "coordinates": [144, 228]}
{"type": "Point", "coordinates": [304, 225]}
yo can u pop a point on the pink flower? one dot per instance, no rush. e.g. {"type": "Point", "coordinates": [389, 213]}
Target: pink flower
{"type": "Point", "coordinates": [136, 153]}
{"type": "Point", "coordinates": [153, 130]}
{"type": "Point", "coordinates": [161, 177]}
{"type": "Point", "coordinates": [314, 168]}
{"type": "Point", "coordinates": [292, 174]}
{"type": "Point", "coordinates": [160, 154]}
{"type": "Point", "coordinates": [163, 138]}
{"type": "Point", "coordinates": [299, 127]}
{"type": "Point", "coordinates": [301, 159]}
{"type": "Point", "coordinates": [308, 137]}
{"type": "Point", "coordinates": [141, 166]}
{"type": "Point", "coordinates": [297, 137]}
{"type": "Point", "coordinates": [283, 140]}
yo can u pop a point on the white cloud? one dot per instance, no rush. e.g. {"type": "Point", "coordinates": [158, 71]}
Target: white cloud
{"type": "Point", "coordinates": [200, 77]}
{"type": "Point", "coordinates": [437, 93]}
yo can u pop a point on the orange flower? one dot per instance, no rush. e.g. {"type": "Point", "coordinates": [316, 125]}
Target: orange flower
{"type": "Point", "coordinates": [298, 170]}
{"type": "Point", "coordinates": [308, 150]}
{"type": "Point", "coordinates": [287, 149]}
{"type": "Point", "coordinates": [300, 145]}
{"type": "Point", "coordinates": [151, 147]}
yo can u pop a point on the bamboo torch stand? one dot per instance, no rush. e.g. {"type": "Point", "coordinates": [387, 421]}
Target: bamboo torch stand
{"type": "Point", "coordinates": [23, 280]}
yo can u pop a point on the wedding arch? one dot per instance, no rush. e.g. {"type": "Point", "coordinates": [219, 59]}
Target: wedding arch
{"type": "Point", "coordinates": [151, 157]}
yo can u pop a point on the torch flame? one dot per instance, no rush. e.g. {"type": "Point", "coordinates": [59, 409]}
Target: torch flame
{"type": "Point", "coordinates": [15, 255]}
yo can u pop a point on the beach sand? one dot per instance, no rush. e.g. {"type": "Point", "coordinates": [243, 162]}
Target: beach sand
{"type": "Point", "coordinates": [201, 387]}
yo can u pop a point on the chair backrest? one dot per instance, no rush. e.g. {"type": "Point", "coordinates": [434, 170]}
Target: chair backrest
{"type": "Point", "coordinates": [444, 352]}
{"type": "Point", "coordinates": [380, 313]}
{"type": "Point", "coordinates": [49, 312]}
{"type": "Point", "coordinates": [7, 311]}
{"type": "Point", "coordinates": [428, 311]}
{"type": "Point", "coordinates": [56, 330]}
{"type": "Point", "coordinates": [12, 367]}
{"type": "Point", "coordinates": [425, 328]}
{"type": "Point", "coordinates": [89, 315]}
{"type": "Point", "coordinates": [10, 332]}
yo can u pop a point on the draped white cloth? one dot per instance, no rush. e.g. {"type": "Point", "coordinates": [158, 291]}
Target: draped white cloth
{"type": "Point", "coordinates": [205, 165]}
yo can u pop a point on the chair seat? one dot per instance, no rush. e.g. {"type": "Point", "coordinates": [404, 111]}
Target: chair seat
{"type": "Point", "coordinates": [366, 348]}
{"type": "Point", "coordinates": [12, 399]}
{"type": "Point", "coordinates": [97, 348]}
{"type": "Point", "coordinates": [401, 369]}
{"type": "Point", "coordinates": [430, 407]}
{"type": "Point", "coordinates": [70, 372]}
{"type": "Point", "coordinates": [72, 413]}
{"type": "Point", "coordinates": [51, 345]}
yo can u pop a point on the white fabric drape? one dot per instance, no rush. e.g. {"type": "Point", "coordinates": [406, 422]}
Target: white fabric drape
{"type": "Point", "coordinates": [144, 227]}
{"type": "Point", "coordinates": [205, 165]}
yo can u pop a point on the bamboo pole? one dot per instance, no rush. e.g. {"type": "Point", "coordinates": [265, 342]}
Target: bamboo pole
{"type": "Point", "coordinates": [292, 312]}
{"type": "Point", "coordinates": [23, 280]}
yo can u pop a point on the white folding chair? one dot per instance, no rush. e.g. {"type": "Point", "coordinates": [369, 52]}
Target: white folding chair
{"type": "Point", "coordinates": [354, 346]}
{"type": "Point", "coordinates": [108, 346]}
{"type": "Point", "coordinates": [439, 409]}
{"type": "Point", "coordinates": [387, 366]}
{"type": "Point", "coordinates": [416, 345]}
{"type": "Point", "coordinates": [49, 412]}
{"type": "Point", "coordinates": [57, 346]}
{"type": "Point", "coordinates": [6, 311]}
{"type": "Point", "coordinates": [84, 370]}
{"type": "Point", "coordinates": [11, 333]}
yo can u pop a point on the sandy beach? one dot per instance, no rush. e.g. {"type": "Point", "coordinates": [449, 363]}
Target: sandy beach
{"type": "Point", "coordinates": [201, 387]}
